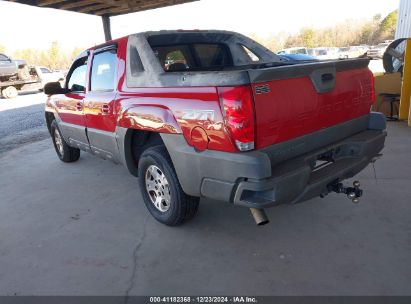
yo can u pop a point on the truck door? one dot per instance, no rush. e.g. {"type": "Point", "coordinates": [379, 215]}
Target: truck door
{"type": "Point", "coordinates": [99, 104]}
{"type": "Point", "coordinates": [71, 106]}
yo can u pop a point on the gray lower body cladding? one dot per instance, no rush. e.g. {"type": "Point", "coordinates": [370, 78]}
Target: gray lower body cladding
{"type": "Point", "coordinates": [298, 180]}
{"type": "Point", "coordinates": [282, 173]}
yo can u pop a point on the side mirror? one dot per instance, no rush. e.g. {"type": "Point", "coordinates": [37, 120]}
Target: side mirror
{"type": "Point", "coordinates": [53, 88]}
{"type": "Point", "coordinates": [77, 88]}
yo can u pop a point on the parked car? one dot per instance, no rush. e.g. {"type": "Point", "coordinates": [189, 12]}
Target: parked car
{"type": "Point", "coordinates": [39, 76]}
{"type": "Point", "coordinates": [324, 53]}
{"type": "Point", "coordinates": [13, 69]}
{"type": "Point", "coordinates": [377, 52]}
{"type": "Point", "coordinates": [14, 76]}
{"type": "Point", "coordinates": [222, 125]}
{"type": "Point", "coordinates": [46, 75]}
{"type": "Point", "coordinates": [364, 48]}
{"type": "Point", "coordinates": [352, 52]}
{"type": "Point", "coordinates": [294, 50]}
{"type": "Point", "coordinates": [297, 57]}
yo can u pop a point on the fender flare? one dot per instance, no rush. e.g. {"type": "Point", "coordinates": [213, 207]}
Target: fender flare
{"type": "Point", "coordinates": [149, 118]}
{"type": "Point", "coordinates": [145, 118]}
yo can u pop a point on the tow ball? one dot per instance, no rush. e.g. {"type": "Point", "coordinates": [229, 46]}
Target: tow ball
{"type": "Point", "coordinates": [353, 193]}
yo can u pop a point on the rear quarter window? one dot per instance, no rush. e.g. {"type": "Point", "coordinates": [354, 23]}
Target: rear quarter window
{"type": "Point", "coordinates": [250, 54]}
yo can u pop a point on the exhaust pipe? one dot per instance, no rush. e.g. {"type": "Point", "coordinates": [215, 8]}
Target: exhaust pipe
{"type": "Point", "coordinates": [259, 216]}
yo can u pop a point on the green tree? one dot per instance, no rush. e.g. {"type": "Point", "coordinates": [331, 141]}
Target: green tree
{"type": "Point", "coordinates": [2, 48]}
{"type": "Point", "coordinates": [293, 41]}
{"type": "Point", "coordinates": [307, 37]}
{"type": "Point", "coordinates": [75, 52]}
{"type": "Point", "coordinates": [273, 43]}
{"type": "Point", "coordinates": [349, 32]}
{"type": "Point", "coordinates": [54, 56]}
{"type": "Point", "coordinates": [175, 56]}
{"type": "Point", "coordinates": [377, 18]}
{"type": "Point", "coordinates": [388, 26]}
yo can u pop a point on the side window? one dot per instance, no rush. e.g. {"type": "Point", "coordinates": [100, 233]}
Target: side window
{"type": "Point", "coordinates": [77, 77]}
{"type": "Point", "coordinates": [3, 57]}
{"type": "Point", "coordinates": [103, 71]}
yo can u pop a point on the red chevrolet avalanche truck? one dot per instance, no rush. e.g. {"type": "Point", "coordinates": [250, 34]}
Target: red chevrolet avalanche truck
{"type": "Point", "coordinates": [214, 114]}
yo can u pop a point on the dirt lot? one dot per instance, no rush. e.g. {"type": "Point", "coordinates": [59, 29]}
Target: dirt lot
{"type": "Point", "coordinates": [82, 229]}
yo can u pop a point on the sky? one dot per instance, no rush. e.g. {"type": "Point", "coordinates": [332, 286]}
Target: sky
{"type": "Point", "coordinates": [23, 26]}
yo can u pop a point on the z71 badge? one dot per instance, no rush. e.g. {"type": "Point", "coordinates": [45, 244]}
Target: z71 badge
{"type": "Point", "coordinates": [198, 115]}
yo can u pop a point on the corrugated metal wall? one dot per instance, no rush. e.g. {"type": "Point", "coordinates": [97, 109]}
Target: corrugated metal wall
{"type": "Point", "coordinates": [404, 20]}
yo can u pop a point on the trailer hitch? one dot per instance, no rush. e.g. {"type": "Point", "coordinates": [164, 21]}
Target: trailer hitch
{"type": "Point", "coordinates": [353, 193]}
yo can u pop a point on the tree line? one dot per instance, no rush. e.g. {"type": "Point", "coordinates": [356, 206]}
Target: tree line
{"type": "Point", "coordinates": [350, 32]}
{"type": "Point", "coordinates": [53, 57]}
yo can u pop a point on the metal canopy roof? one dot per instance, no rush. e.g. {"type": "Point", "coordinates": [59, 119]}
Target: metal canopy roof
{"type": "Point", "coordinates": [105, 8]}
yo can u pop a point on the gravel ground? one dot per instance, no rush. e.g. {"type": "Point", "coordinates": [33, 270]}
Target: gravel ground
{"type": "Point", "coordinates": [22, 121]}
{"type": "Point", "coordinates": [82, 229]}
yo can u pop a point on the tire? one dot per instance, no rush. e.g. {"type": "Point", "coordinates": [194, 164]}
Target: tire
{"type": "Point", "coordinates": [9, 92]}
{"type": "Point", "coordinates": [155, 169]}
{"type": "Point", "coordinates": [24, 73]}
{"type": "Point", "coordinates": [64, 152]}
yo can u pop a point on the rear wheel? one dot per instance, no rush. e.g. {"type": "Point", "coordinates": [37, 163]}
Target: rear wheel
{"type": "Point", "coordinates": [161, 190]}
{"type": "Point", "coordinates": [9, 92]}
{"type": "Point", "coordinates": [66, 153]}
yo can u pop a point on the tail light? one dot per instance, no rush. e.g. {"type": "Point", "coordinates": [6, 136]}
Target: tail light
{"type": "Point", "coordinates": [238, 111]}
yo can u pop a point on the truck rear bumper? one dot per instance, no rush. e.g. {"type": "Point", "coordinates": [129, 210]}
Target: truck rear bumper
{"type": "Point", "coordinates": [298, 180]}
{"type": "Point", "coordinates": [282, 173]}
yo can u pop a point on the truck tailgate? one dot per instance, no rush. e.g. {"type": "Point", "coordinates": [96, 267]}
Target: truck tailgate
{"type": "Point", "coordinates": [292, 101]}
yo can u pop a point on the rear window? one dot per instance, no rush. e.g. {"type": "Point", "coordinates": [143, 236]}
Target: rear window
{"type": "Point", "coordinates": [193, 57]}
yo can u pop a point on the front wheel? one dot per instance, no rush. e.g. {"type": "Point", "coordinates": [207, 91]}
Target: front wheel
{"type": "Point", "coordinates": [161, 190]}
{"type": "Point", "coordinates": [66, 153]}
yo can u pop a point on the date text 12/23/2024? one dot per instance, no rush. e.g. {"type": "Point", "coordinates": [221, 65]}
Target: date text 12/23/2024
{"type": "Point", "coordinates": [204, 299]}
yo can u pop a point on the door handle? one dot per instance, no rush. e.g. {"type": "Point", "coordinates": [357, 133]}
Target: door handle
{"type": "Point", "coordinates": [79, 106]}
{"type": "Point", "coordinates": [105, 108]}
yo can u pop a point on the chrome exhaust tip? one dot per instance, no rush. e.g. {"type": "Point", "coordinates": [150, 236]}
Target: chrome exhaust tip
{"type": "Point", "coordinates": [260, 217]}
